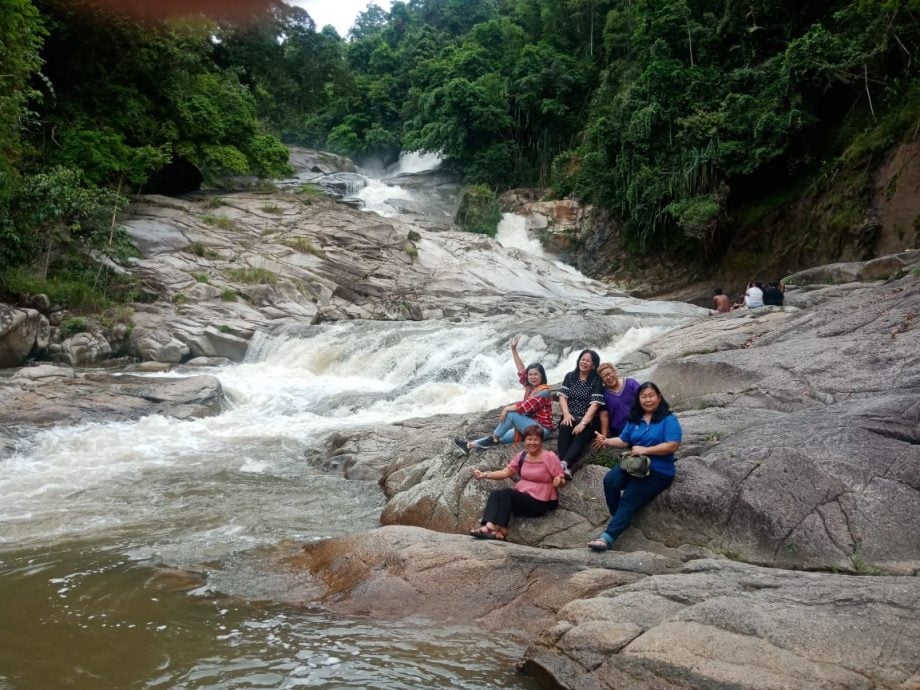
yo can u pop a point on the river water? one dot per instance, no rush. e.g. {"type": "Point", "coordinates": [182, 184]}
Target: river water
{"type": "Point", "coordinates": [132, 555]}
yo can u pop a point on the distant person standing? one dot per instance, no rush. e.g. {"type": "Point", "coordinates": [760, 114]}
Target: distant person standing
{"type": "Point", "coordinates": [772, 295]}
{"type": "Point", "coordinates": [720, 301]}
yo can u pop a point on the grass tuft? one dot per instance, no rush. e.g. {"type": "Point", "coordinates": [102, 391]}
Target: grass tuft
{"type": "Point", "coordinates": [222, 222]}
{"type": "Point", "coordinates": [253, 276]}
{"type": "Point", "coordinates": [305, 246]}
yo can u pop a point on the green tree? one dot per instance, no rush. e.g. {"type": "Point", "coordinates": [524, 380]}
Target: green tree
{"type": "Point", "coordinates": [20, 40]}
{"type": "Point", "coordinates": [57, 210]}
{"type": "Point", "coordinates": [698, 101]}
{"type": "Point", "coordinates": [130, 95]}
{"type": "Point", "coordinates": [293, 71]}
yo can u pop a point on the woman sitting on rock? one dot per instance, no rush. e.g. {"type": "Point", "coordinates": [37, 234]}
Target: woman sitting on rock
{"type": "Point", "coordinates": [535, 493]}
{"type": "Point", "coordinates": [619, 398]}
{"type": "Point", "coordinates": [580, 397]}
{"type": "Point", "coordinates": [535, 407]}
{"type": "Point", "coordinates": [653, 431]}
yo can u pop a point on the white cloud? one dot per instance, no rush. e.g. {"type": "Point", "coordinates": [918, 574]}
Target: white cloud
{"type": "Point", "coordinates": [340, 13]}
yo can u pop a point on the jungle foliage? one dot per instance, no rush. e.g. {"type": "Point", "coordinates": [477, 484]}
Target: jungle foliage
{"type": "Point", "coordinates": [669, 113]}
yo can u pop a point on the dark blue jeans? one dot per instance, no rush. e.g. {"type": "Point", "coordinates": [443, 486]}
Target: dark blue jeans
{"type": "Point", "coordinates": [626, 495]}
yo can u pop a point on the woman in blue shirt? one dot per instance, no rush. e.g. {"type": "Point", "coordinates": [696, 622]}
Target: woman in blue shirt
{"type": "Point", "coordinates": [653, 431]}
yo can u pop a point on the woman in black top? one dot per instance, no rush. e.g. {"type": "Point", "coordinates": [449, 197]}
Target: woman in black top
{"type": "Point", "coordinates": [580, 397]}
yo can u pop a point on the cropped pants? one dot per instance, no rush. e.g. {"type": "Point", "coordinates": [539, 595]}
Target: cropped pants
{"type": "Point", "coordinates": [503, 502]}
{"type": "Point", "coordinates": [514, 421]}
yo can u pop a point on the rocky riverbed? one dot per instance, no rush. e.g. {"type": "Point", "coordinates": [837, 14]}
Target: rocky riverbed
{"type": "Point", "coordinates": [785, 554]}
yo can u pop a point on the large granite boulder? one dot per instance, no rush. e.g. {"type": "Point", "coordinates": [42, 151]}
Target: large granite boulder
{"type": "Point", "coordinates": [157, 346]}
{"type": "Point", "coordinates": [21, 330]}
{"type": "Point", "coordinates": [318, 162]}
{"type": "Point", "coordinates": [723, 624]}
{"type": "Point", "coordinates": [804, 440]}
{"type": "Point", "coordinates": [404, 571]}
{"type": "Point", "coordinates": [84, 349]}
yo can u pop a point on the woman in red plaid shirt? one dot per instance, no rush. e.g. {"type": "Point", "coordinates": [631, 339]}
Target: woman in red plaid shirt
{"type": "Point", "coordinates": [535, 406]}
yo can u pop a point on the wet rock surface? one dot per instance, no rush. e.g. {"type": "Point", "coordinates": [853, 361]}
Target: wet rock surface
{"type": "Point", "coordinates": [226, 267]}
{"type": "Point", "coordinates": [20, 331]}
{"type": "Point", "coordinates": [49, 395]}
{"type": "Point", "coordinates": [801, 451]}
{"type": "Point", "coordinates": [634, 620]}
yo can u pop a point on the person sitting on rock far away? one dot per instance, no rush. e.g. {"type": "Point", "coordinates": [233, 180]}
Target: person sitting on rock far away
{"type": "Point", "coordinates": [619, 398]}
{"type": "Point", "coordinates": [772, 295]}
{"type": "Point", "coordinates": [753, 297]}
{"type": "Point", "coordinates": [652, 431]}
{"type": "Point", "coordinates": [535, 407]}
{"type": "Point", "coordinates": [535, 494]}
{"type": "Point", "coordinates": [720, 301]}
{"type": "Point", "coordinates": [581, 397]}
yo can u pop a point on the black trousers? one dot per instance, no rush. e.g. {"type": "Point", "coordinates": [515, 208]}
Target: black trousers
{"type": "Point", "coordinates": [572, 446]}
{"type": "Point", "coordinates": [503, 502]}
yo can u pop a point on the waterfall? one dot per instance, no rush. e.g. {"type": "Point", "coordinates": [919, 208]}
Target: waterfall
{"type": "Point", "coordinates": [389, 198]}
{"type": "Point", "coordinates": [415, 162]}
{"type": "Point", "coordinates": [378, 197]}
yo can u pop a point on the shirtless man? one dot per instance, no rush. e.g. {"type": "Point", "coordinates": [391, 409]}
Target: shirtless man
{"type": "Point", "coordinates": [720, 302]}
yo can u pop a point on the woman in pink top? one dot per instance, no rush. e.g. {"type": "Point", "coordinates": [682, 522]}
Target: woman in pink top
{"type": "Point", "coordinates": [534, 495]}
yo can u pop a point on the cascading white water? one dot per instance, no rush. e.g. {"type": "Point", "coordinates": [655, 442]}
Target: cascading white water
{"type": "Point", "coordinates": [512, 232]}
{"type": "Point", "coordinates": [415, 162]}
{"type": "Point", "coordinates": [378, 195]}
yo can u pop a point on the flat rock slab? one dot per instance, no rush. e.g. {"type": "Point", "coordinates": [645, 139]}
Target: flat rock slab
{"type": "Point", "coordinates": [70, 398]}
{"type": "Point", "coordinates": [634, 620]}
{"type": "Point", "coordinates": [397, 572]}
{"type": "Point", "coordinates": [724, 624]}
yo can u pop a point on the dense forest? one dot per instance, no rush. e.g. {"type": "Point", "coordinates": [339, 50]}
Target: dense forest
{"type": "Point", "coordinates": [667, 114]}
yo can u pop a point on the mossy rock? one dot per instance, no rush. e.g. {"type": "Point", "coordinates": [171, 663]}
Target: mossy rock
{"type": "Point", "coordinates": [479, 211]}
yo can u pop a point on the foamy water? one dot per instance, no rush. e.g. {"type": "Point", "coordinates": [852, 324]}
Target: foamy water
{"type": "Point", "coordinates": [377, 194]}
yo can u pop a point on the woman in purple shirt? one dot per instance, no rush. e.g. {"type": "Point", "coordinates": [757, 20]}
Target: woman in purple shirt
{"type": "Point", "coordinates": [619, 396]}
